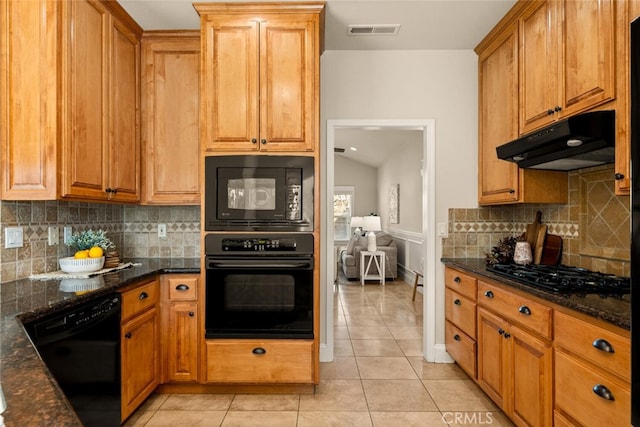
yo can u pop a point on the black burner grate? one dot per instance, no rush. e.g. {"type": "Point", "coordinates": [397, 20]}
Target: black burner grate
{"type": "Point", "coordinates": [564, 279]}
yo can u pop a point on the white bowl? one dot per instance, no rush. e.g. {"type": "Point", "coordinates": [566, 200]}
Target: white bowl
{"type": "Point", "coordinates": [81, 265]}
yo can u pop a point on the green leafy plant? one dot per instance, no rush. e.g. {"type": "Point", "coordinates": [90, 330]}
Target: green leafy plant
{"type": "Point", "coordinates": [87, 239]}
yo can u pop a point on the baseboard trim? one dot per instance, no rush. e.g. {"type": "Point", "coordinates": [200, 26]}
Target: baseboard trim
{"type": "Point", "coordinates": [326, 353]}
{"type": "Point", "coordinates": [441, 354]}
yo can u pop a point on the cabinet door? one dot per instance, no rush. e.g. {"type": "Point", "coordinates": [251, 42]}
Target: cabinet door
{"type": "Point", "coordinates": [170, 122]}
{"type": "Point", "coordinates": [588, 56]}
{"type": "Point", "coordinates": [532, 379]}
{"type": "Point", "coordinates": [498, 179]}
{"type": "Point", "coordinates": [124, 142]}
{"type": "Point", "coordinates": [230, 83]}
{"type": "Point", "coordinates": [494, 361]}
{"type": "Point", "coordinates": [538, 65]}
{"type": "Point", "coordinates": [140, 365]}
{"type": "Point", "coordinates": [28, 99]}
{"type": "Point", "coordinates": [85, 83]}
{"type": "Point", "coordinates": [288, 81]}
{"type": "Point", "coordinates": [181, 342]}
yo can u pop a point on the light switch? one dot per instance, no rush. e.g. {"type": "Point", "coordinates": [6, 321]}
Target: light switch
{"type": "Point", "coordinates": [13, 237]}
{"type": "Point", "coordinates": [442, 229]}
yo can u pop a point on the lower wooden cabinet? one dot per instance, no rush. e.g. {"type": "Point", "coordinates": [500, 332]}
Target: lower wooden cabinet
{"type": "Point", "coordinates": [139, 341]}
{"type": "Point", "coordinates": [515, 370]}
{"type": "Point", "coordinates": [461, 347]}
{"type": "Point", "coordinates": [260, 361]}
{"type": "Point", "coordinates": [180, 321]}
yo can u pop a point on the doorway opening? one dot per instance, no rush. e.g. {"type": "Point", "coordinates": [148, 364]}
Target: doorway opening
{"type": "Point", "coordinates": [328, 260]}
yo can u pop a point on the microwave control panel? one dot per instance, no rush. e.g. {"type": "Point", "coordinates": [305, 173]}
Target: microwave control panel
{"type": "Point", "coordinates": [294, 201]}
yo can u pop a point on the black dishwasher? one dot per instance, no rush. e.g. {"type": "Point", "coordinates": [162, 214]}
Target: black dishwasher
{"type": "Point", "coordinates": [81, 347]}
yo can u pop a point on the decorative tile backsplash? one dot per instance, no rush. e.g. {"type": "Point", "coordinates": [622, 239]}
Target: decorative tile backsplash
{"type": "Point", "coordinates": [594, 225]}
{"type": "Point", "coordinates": [133, 229]}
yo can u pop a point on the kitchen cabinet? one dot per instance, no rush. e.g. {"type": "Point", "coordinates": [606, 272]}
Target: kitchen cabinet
{"type": "Point", "coordinates": [515, 357]}
{"type": "Point", "coordinates": [592, 372]}
{"type": "Point", "coordinates": [28, 99]}
{"type": "Point", "coordinates": [139, 344]}
{"type": "Point", "coordinates": [70, 114]}
{"type": "Point", "coordinates": [260, 361]}
{"type": "Point", "coordinates": [499, 181]}
{"type": "Point", "coordinates": [170, 117]}
{"type": "Point", "coordinates": [260, 86]}
{"type": "Point", "coordinates": [564, 70]}
{"type": "Point", "coordinates": [460, 315]}
{"type": "Point", "coordinates": [180, 321]}
{"type": "Point", "coordinates": [101, 141]}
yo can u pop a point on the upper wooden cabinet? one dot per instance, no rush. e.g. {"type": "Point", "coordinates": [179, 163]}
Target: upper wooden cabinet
{"type": "Point", "coordinates": [499, 181]}
{"type": "Point", "coordinates": [70, 114]}
{"type": "Point", "coordinates": [100, 154]}
{"type": "Point", "coordinates": [170, 117]}
{"type": "Point", "coordinates": [261, 68]}
{"type": "Point", "coordinates": [567, 59]}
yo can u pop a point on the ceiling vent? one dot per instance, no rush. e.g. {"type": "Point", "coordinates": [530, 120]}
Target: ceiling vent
{"type": "Point", "coordinates": [374, 30]}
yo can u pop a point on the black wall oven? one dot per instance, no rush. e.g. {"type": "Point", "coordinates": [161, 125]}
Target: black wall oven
{"type": "Point", "coordinates": [259, 286]}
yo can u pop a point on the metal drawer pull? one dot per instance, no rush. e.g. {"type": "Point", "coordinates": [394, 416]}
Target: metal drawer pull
{"type": "Point", "coordinates": [259, 350]}
{"type": "Point", "coordinates": [182, 287]}
{"type": "Point", "coordinates": [603, 345]}
{"type": "Point", "coordinates": [525, 310]}
{"type": "Point", "coordinates": [457, 302]}
{"type": "Point", "coordinates": [603, 392]}
{"type": "Point", "coordinates": [501, 331]}
{"type": "Point", "coordinates": [127, 335]}
{"type": "Point", "coordinates": [457, 279]}
{"type": "Point", "coordinates": [488, 294]}
{"type": "Point", "coordinates": [143, 295]}
{"type": "Point", "coordinates": [191, 314]}
{"type": "Point", "coordinates": [507, 335]}
{"type": "Point", "coordinates": [456, 337]}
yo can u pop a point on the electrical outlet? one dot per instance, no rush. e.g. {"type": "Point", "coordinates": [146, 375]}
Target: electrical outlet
{"type": "Point", "coordinates": [54, 236]}
{"type": "Point", "coordinates": [68, 232]}
{"type": "Point", "coordinates": [162, 230]}
{"type": "Point", "coordinates": [13, 237]}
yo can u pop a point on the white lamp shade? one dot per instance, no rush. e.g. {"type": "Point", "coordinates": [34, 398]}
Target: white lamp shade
{"type": "Point", "coordinates": [356, 221]}
{"type": "Point", "coordinates": [371, 223]}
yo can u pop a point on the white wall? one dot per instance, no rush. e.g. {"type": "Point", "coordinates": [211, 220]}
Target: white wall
{"type": "Point", "coordinates": [439, 85]}
{"type": "Point", "coordinates": [365, 180]}
{"type": "Point", "coordinates": [403, 168]}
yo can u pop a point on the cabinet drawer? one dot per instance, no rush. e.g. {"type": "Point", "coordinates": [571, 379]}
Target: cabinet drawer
{"type": "Point", "coordinates": [461, 283]}
{"type": "Point", "coordinates": [182, 287]}
{"type": "Point", "coordinates": [140, 298]}
{"type": "Point", "coordinates": [604, 348]}
{"type": "Point", "coordinates": [461, 312]}
{"type": "Point", "coordinates": [272, 361]}
{"type": "Point", "coordinates": [461, 347]}
{"type": "Point", "coordinates": [575, 394]}
{"type": "Point", "coordinates": [525, 312]}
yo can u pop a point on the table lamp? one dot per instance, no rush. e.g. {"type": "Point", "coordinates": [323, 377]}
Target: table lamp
{"type": "Point", "coordinates": [356, 221]}
{"type": "Point", "coordinates": [371, 224]}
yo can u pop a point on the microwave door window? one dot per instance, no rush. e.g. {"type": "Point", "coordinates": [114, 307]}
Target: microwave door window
{"type": "Point", "coordinates": [251, 194]}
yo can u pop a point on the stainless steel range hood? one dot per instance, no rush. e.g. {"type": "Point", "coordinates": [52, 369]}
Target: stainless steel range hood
{"type": "Point", "coordinates": [580, 141]}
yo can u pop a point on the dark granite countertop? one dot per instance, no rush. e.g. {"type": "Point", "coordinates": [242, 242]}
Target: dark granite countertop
{"type": "Point", "coordinates": [32, 395]}
{"type": "Point", "coordinates": [614, 310]}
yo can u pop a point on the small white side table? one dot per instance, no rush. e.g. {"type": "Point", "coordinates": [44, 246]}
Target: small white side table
{"type": "Point", "coordinates": [377, 258]}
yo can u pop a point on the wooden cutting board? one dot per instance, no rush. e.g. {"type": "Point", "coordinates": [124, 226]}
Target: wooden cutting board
{"type": "Point", "coordinates": [531, 231]}
{"type": "Point", "coordinates": [538, 248]}
{"type": "Point", "coordinates": [552, 251]}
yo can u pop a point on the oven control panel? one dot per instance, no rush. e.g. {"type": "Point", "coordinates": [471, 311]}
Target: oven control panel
{"type": "Point", "coordinates": [278, 244]}
{"type": "Point", "coordinates": [258, 245]}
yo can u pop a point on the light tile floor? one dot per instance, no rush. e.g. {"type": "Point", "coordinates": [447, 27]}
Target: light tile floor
{"type": "Point", "coordinates": [378, 378]}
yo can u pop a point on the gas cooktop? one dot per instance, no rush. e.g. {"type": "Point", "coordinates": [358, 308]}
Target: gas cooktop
{"type": "Point", "coordinates": [564, 280]}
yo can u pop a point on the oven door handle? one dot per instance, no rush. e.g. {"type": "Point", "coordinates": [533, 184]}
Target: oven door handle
{"type": "Point", "coordinates": [260, 264]}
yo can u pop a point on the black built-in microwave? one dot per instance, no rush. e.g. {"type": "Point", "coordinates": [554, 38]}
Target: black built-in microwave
{"type": "Point", "coordinates": [259, 193]}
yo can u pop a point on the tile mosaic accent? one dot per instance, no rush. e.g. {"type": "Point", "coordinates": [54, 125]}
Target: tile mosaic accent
{"type": "Point", "coordinates": [594, 225]}
{"type": "Point", "coordinates": [133, 229]}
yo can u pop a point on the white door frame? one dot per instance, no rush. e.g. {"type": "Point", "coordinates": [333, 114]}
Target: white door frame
{"type": "Point", "coordinates": [428, 228]}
